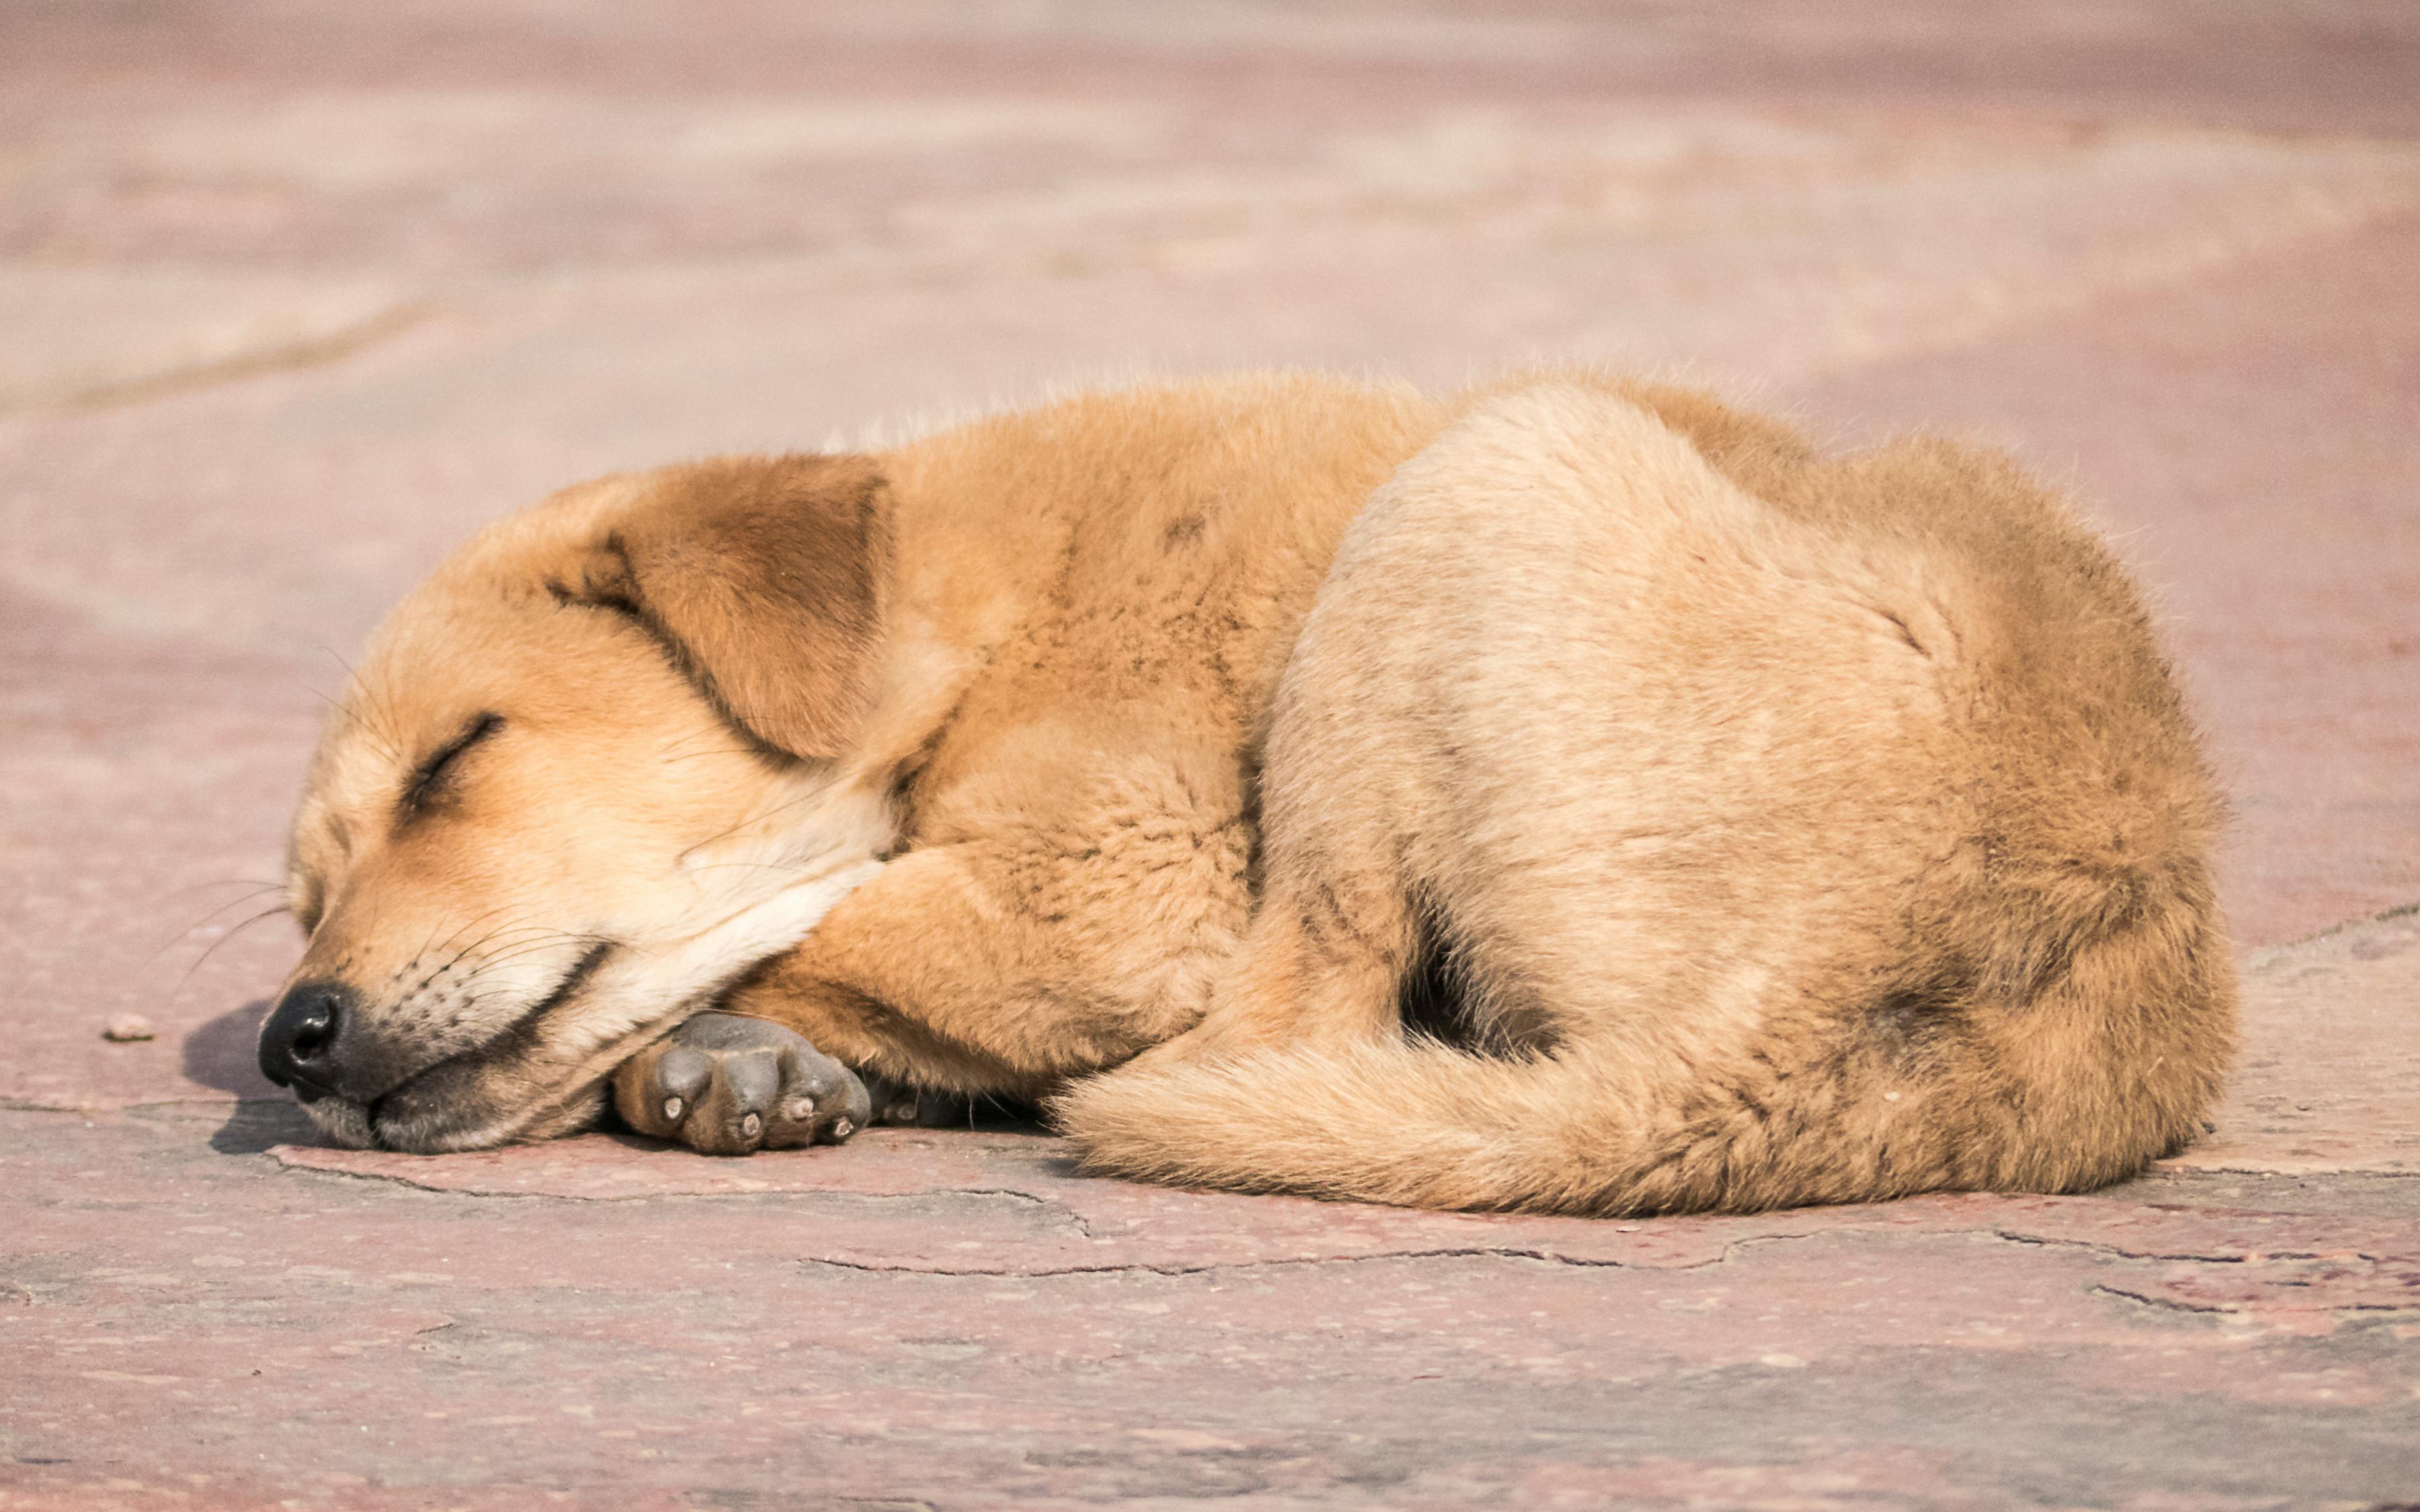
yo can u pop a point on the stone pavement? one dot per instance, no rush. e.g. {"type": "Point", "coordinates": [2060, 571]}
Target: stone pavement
{"type": "Point", "coordinates": [293, 295]}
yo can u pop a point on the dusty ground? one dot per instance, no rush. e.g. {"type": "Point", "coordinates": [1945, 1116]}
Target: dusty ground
{"type": "Point", "coordinates": [293, 295]}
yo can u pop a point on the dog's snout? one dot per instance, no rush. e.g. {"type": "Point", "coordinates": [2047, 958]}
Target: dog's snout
{"type": "Point", "coordinates": [298, 1042]}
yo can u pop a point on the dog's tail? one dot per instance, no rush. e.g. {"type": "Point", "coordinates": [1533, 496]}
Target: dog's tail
{"type": "Point", "coordinates": [1421, 1124]}
{"type": "Point", "coordinates": [2081, 1085]}
{"type": "Point", "coordinates": [1411, 1122]}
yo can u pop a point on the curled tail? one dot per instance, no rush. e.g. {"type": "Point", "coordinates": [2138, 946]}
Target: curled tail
{"type": "Point", "coordinates": [2076, 1084]}
{"type": "Point", "coordinates": [1409, 1122]}
{"type": "Point", "coordinates": [1421, 1124]}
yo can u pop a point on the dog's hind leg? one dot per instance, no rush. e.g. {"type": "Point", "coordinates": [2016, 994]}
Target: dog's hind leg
{"type": "Point", "coordinates": [1334, 935]}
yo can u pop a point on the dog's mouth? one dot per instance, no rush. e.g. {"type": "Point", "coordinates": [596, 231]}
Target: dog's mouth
{"type": "Point", "coordinates": [454, 1092]}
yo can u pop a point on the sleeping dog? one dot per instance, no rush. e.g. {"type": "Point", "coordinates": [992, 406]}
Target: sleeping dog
{"type": "Point", "coordinates": [1759, 827]}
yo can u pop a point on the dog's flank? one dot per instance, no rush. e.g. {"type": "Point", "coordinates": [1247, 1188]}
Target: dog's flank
{"type": "Point", "coordinates": [1763, 826]}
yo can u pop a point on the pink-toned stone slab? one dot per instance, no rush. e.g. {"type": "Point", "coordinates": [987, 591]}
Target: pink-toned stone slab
{"type": "Point", "coordinates": [2329, 1075]}
{"type": "Point", "coordinates": [268, 1327]}
{"type": "Point", "coordinates": [1090, 1223]}
{"type": "Point", "coordinates": [1056, 1223]}
{"type": "Point", "coordinates": [287, 507]}
{"type": "Point", "coordinates": [146, 784]}
{"type": "Point", "coordinates": [2278, 64]}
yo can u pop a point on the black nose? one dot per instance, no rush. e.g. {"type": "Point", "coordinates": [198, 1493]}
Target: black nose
{"type": "Point", "coordinates": [296, 1041]}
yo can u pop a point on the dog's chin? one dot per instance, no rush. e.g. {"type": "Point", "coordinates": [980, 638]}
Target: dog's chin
{"type": "Point", "coordinates": [343, 1120]}
{"type": "Point", "coordinates": [447, 1117]}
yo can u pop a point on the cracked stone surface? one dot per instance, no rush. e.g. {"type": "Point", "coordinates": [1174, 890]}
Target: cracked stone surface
{"type": "Point", "coordinates": [293, 297]}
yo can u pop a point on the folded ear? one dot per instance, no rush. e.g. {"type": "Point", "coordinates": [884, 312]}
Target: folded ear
{"type": "Point", "coordinates": [763, 579]}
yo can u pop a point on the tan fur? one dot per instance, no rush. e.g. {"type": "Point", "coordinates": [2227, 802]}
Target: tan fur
{"type": "Point", "coordinates": [1790, 828]}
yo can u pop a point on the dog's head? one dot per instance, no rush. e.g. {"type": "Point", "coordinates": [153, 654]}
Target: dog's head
{"type": "Point", "coordinates": [590, 773]}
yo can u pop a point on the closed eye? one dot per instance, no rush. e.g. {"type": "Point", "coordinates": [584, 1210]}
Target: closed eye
{"type": "Point", "coordinates": [428, 781]}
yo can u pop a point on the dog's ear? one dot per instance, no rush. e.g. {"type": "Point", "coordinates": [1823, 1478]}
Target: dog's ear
{"type": "Point", "coordinates": [763, 579]}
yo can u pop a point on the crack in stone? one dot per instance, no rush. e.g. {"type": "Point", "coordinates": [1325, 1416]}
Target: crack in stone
{"type": "Point", "coordinates": [285, 357]}
{"type": "Point", "coordinates": [2243, 1310]}
{"type": "Point", "coordinates": [396, 1178]}
{"type": "Point", "coordinates": [2262, 1256]}
{"type": "Point", "coordinates": [2266, 955]}
{"type": "Point", "coordinates": [2166, 1303]}
{"type": "Point", "coordinates": [1213, 1267]}
{"type": "Point", "coordinates": [1550, 1257]}
{"type": "Point", "coordinates": [2366, 1172]}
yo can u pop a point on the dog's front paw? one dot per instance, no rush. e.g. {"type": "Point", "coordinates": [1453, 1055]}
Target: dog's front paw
{"type": "Point", "coordinates": [730, 1085]}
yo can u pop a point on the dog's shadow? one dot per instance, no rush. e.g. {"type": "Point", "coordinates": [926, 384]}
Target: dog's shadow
{"type": "Point", "coordinates": [223, 1053]}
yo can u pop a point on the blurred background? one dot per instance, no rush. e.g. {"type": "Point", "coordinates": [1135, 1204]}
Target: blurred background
{"type": "Point", "coordinates": [293, 296]}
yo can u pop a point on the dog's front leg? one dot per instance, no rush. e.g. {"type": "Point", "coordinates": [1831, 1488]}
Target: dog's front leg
{"type": "Point", "coordinates": [985, 968]}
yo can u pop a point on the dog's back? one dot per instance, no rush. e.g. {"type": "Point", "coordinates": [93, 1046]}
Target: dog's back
{"type": "Point", "coordinates": [1795, 830]}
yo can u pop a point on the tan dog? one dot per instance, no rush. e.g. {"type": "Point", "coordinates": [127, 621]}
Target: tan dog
{"type": "Point", "coordinates": [1773, 829]}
